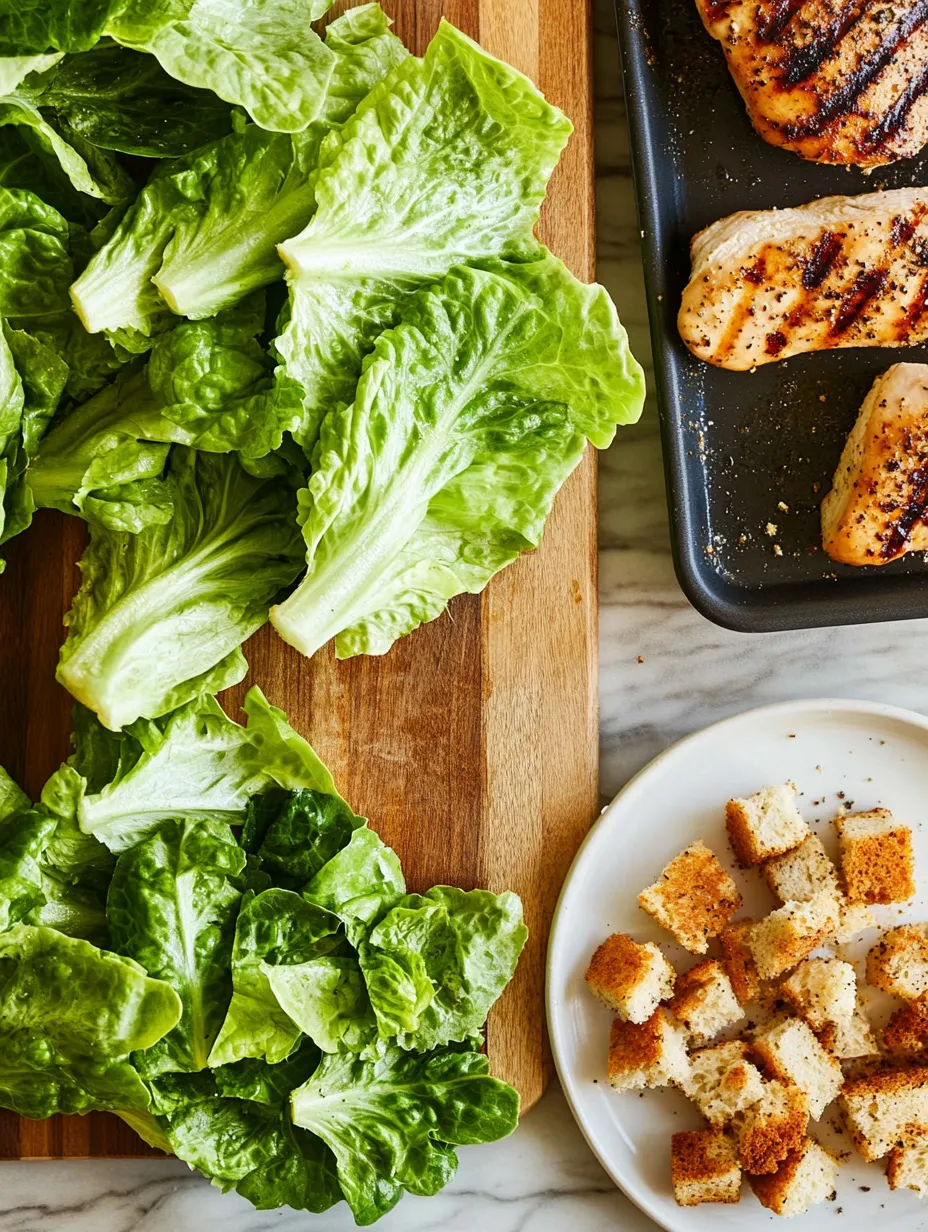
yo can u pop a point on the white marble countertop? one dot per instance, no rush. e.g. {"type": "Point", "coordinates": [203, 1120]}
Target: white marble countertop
{"type": "Point", "coordinates": [664, 671]}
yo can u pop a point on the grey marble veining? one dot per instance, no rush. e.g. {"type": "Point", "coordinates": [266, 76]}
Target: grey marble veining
{"type": "Point", "coordinates": [665, 671]}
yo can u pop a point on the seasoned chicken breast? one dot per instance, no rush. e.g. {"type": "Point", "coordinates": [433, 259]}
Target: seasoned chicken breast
{"type": "Point", "coordinates": [836, 81]}
{"type": "Point", "coordinates": [843, 271]}
{"type": "Point", "coordinates": [877, 506]}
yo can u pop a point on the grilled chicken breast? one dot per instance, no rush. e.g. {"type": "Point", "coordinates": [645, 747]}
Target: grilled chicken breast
{"type": "Point", "coordinates": [836, 81]}
{"type": "Point", "coordinates": [843, 271]}
{"type": "Point", "coordinates": [877, 507]}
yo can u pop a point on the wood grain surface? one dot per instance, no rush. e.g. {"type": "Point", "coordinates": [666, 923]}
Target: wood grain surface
{"type": "Point", "coordinates": [472, 745]}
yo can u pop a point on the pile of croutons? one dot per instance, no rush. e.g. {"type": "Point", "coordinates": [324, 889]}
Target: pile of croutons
{"type": "Point", "coordinates": [810, 1041]}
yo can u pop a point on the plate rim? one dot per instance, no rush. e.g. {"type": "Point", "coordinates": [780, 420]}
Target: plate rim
{"type": "Point", "coordinates": [639, 1195]}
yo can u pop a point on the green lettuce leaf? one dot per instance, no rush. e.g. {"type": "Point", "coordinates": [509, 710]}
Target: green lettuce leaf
{"type": "Point", "coordinates": [260, 54]}
{"type": "Point", "coordinates": [75, 869]}
{"type": "Point", "coordinates": [328, 1000]}
{"type": "Point", "coordinates": [208, 384]}
{"type": "Point", "coordinates": [247, 1139]}
{"type": "Point", "coordinates": [204, 766]}
{"type": "Point", "coordinates": [172, 906]}
{"type": "Point", "coordinates": [255, 1080]}
{"type": "Point", "coordinates": [467, 419]}
{"type": "Point", "coordinates": [437, 962]}
{"type": "Point", "coordinates": [12, 797]}
{"type": "Point", "coordinates": [295, 833]}
{"type": "Point", "coordinates": [26, 164]}
{"type": "Point", "coordinates": [275, 928]}
{"type": "Point", "coordinates": [70, 1014]}
{"type": "Point", "coordinates": [87, 168]}
{"type": "Point", "coordinates": [444, 163]}
{"type": "Point", "coordinates": [33, 26]}
{"type": "Point", "coordinates": [117, 99]}
{"type": "Point", "coordinates": [23, 837]}
{"type": "Point", "coordinates": [105, 459]}
{"type": "Point", "coordinates": [204, 232]}
{"type": "Point", "coordinates": [359, 884]}
{"type": "Point", "coordinates": [392, 1123]}
{"type": "Point", "coordinates": [161, 615]}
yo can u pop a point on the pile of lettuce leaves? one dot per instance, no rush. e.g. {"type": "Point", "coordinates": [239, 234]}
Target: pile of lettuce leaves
{"type": "Point", "coordinates": [258, 993]}
{"type": "Point", "coordinates": [274, 321]}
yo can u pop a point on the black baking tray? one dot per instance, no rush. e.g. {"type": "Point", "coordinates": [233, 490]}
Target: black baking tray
{"type": "Point", "coordinates": [744, 451]}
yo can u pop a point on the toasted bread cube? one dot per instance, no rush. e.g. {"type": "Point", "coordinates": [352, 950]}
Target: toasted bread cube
{"type": "Point", "coordinates": [907, 1165]}
{"type": "Point", "coordinates": [739, 963]}
{"type": "Point", "coordinates": [766, 1132]}
{"type": "Point", "coordinates": [850, 1039]}
{"type": "Point", "coordinates": [800, 874]}
{"type": "Point", "coordinates": [791, 1052]}
{"type": "Point", "coordinates": [822, 991]}
{"type": "Point", "coordinates": [693, 899]}
{"type": "Point", "coordinates": [723, 1082]}
{"type": "Point", "coordinates": [877, 1108]}
{"type": "Point", "coordinates": [648, 1054]}
{"type": "Point", "coordinates": [765, 824]}
{"type": "Point", "coordinates": [877, 862]}
{"type": "Point", "coordinates": [704, 1002]}
{"type": "Point", "coordinates": [629, 978]}
{"type": "Point", "coordinates": [704, 1167]}
{"type": "Point", "coordinates": [853, 919]}
{"type": "Point", "coordinates": [898, 963]}
{"type": "Point", "coordinates": [906, 1033]}
{"type": "Point", "coordinates": [804, 1178]}
{"type": "Point", "coordinates": [790, 934]}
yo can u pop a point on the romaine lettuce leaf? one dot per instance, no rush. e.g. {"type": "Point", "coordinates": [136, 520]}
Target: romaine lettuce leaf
{"type": "Point", "coordinates": [202, 765]}
{"type": "Point", "coordinates": [75, 869]}
{"type": "Point", "coordinates": [392, 1122]}
{"type": "Point", "coordinates": [260, 54]}
{"type": "Point", "coordinates": [70, 1015]}
{"type": "Point", "coordinates": [103, 460]}
{"type": "Point", "coordinates": [437, 962]}
{"type": "Point", "coordinates": [359, 884]}
{"type": "Point", "coordinates": [444, 163]}
{"type": "Point", "coordinates": [467, 419]}
{"type": "Point", "coordinates": [23, 837]}
{"type": "Point", "coordinates": [161, 615]}
{"type": "Point", "coordinates": [328, 1000]}
{"type": "Point", "coordinates": [32, 26]}
{"type": "Point", "coordinates": [247, 1140]}
{"type": "Point", "coordinates": [25, 164]}
{"type": "Point", "coordinates": [89, 169]}
{"type": "Point", "coordinates": [12, 797]}
{"type": "Point", "coordinates": [118, 99]}
{"type": "Point", "coordinates": [275, 928]}
{"type": "Point", "coordinates": [204, 231]}
{"type": "Point", "coordinates": [208, 384]}
{"type": "Point", "coordinates": [172, 906]}
{"type": "Point", "coordinates": [295, 833]}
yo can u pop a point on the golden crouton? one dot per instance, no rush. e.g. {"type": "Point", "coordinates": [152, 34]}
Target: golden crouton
{"type": "Point", "coordinates": [766, 1132]}
{"type": "Point", "coordinates": [630, 978]}
{"type": "Point", "coordinates": [898, 963]}
{"type": "Point", "coordinates": [648, 1054]}
{"type": "Point", "coordinates": [704, 1002]}
{"type": "Point", "coordinates": [693, 899]}
{"type": "Point", "coordinates": [765, 824]}
{"type": "Point", "coordinates": [877, 861]}
{"type": "Point", "coordinates": [878, 1107]}
{"type": "Point", "coordinates": [804, 1178]}
{"type": "Point", "coordinates": [704, 1167]}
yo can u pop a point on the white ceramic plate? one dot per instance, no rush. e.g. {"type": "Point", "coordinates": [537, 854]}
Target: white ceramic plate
{"type": "Point", "coordinates": [839, 753]}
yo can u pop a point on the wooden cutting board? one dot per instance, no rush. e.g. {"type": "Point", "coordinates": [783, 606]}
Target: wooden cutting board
{"type": "Point", "coordinates": [472, 745]}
